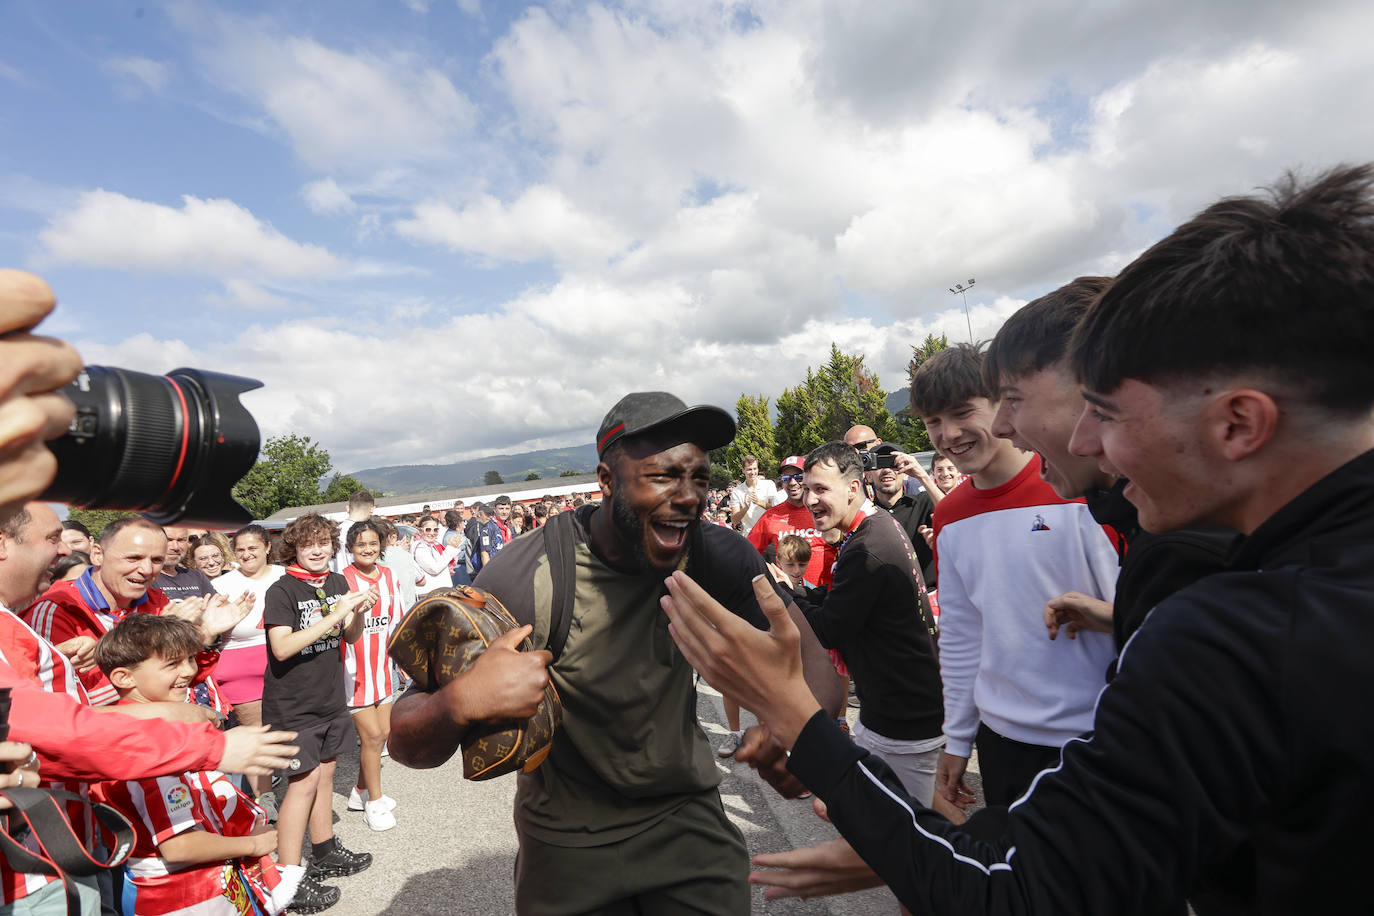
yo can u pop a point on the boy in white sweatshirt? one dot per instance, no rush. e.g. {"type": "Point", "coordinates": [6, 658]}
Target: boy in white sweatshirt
{"type": "Point", "coordinates": [1005, 543]}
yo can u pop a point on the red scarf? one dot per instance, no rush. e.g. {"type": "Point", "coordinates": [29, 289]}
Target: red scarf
{"type": "Point", "coordinates": [505, 531]}
{"type": "Point", "coordinates": [309, 578]}
{"type": "Point", "coordinates": [864, 512]}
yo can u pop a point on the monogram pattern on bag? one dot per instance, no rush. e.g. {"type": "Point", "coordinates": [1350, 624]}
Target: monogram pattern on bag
{"type": "Point", "coordinates": [438, 640]}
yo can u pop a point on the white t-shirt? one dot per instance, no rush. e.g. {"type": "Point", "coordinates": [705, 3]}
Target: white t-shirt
{"type": "Point", "coordinates": [743, 494]}
{"type": "Point", "coordinates": [248, 631]}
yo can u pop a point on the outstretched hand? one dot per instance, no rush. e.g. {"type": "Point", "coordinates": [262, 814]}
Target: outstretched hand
{"type": "Point", "coordinates": [832, 867]}
{"type": "Point", "coordinates": [762, 670]}
{"type": "Point", "coordinates": [762, 750]}
{"type": "Point", "coordinates": [1074, 611]}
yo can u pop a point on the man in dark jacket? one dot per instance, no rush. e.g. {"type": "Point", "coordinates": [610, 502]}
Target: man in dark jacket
{"type": "Point", "coordinates": [875, 614]}
{"type": "Point", "coordinates": [1227, 377]}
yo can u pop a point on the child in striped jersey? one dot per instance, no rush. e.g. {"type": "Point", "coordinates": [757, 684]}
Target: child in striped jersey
{"type": "Point", "coordinates": [368, 674]}
{"type": "Point", "coordinates": [200, 845]}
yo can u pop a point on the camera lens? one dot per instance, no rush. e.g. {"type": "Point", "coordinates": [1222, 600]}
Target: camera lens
{"type": "Point", "coordinates": [168, 446]}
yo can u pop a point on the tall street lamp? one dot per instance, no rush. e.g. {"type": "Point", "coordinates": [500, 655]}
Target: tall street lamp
{"type": "Point", "coordinates": [962, 290]}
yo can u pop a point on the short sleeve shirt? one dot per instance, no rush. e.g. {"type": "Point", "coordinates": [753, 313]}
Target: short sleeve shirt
{"type": "Point", "coordinates": [307, 688]}
{"type": "Point", "coordinates": [629, 751]}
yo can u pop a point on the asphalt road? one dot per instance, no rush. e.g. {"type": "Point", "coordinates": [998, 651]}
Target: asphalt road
{"type": "Point", "coordinates": [453, 849]}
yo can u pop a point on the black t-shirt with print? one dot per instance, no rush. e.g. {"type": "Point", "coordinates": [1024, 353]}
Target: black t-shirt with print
{"type": "Point", "coordinates": [307, 688]}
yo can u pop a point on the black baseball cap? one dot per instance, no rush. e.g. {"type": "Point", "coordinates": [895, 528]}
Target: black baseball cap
{"type": "Point", "coordinates": [703, 425]}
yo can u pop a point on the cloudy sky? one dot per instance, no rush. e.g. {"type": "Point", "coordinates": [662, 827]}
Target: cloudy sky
{"type": "Point", "coordinates": [442, 228]}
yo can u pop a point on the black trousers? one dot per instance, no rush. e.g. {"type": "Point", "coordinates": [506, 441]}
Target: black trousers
{"type": "Point", "coordinates": [1008, 766]}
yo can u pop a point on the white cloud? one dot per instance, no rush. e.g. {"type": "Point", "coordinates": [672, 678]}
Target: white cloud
{"type": "Point", "coordinates": [245, 294]}
{"type": "Point", "coordinates": [541, 225]}
{"type": "Point", "coordinates": [211, 237]}
{"type": "Point", "coordinates": [713, 193]}
{"type": "Point", "coordinates": [339, 109]}
{"type": "Point", "coordinates": [327, 198]}
{"type": "Point", "coordinates": [141, 74]}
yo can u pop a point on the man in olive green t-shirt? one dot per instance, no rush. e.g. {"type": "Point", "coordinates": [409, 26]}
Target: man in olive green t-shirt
{"type": "Point", "coordinates": [624, 815]}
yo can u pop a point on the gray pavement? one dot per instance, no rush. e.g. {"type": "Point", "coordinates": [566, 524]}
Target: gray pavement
{"type": "Point", "coordinates": [453, 849]}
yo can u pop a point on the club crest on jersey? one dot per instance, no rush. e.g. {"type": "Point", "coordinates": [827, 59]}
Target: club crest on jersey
{"type": "Point", "coordinates": [178, 798]}
{"type": "Point", "coordinates": [1039, 524]}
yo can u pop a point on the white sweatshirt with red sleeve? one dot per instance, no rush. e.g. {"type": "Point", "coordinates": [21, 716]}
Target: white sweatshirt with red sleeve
{"type": "Point", "coordinates": [1002, 553]}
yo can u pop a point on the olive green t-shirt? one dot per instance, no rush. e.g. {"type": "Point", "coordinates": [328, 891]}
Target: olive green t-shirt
{"type": "Point", "coordinates": [629, 751]}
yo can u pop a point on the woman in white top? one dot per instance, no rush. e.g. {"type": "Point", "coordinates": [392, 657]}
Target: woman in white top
{"type": "Point", "coordinates": [243, 657]}
{"type": "Point", "coordinates": [433, 558]}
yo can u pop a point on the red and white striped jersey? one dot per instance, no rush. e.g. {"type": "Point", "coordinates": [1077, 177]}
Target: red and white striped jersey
{"type": "Point", "coordinates": [165, 806]}
{"type": "Point", "coordinates": [33, 657]}
{"type": "Point", "coordinates": [368, 675]}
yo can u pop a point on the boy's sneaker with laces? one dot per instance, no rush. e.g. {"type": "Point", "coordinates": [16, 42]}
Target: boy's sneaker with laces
{"type": "Point", "coordinates": [312, 897]}
{"type": "Point", "coordinates": [378, 816]}
{"type": "Point", "coordinates": [729, 745]}
{"type": "Point", "coordinates": [338, 863]}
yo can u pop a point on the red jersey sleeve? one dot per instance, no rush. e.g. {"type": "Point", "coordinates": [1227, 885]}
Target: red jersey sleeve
{"type": "Point", "coordinates": [76, 742]}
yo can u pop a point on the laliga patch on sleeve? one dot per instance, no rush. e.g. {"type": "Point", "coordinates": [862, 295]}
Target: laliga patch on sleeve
{"type": "Point", "coordinates": [178, 799]}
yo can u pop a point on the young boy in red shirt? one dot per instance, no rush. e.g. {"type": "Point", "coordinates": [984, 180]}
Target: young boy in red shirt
{"type": "Point", "coordinates": [198, 841]}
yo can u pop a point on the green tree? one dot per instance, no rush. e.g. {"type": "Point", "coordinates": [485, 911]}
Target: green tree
{"type": "Point", "coordinates": [95, 520]}
{"type": "Point", "coordinates": [912, 432]}
{"type": "Point", "coordinates": [753, 436]}
{"type": "Point", "coordinates": [798, 428]}
{"type": "Point", "coordinates": [288, 473]}
{"type": "Point", "coordinates": [720, 467]}
{"type": "Point", "coordinates": [341, 487]}
{"type": "Point", "coordinates": [840, 394]}
{"type": "Point", "coordinates": [492, 477]}
{"type": "Point", "coordinates": [531, 476]}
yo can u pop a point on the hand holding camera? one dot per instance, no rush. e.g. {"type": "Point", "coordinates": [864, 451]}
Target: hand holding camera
{"type": "Point", "coordinates": [32, 371]}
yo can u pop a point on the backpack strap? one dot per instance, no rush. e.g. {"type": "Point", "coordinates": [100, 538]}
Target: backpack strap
{"type": "Point", "coordinates": [558, 545]}
{"type": "Point", "coordinates": [60, 854]}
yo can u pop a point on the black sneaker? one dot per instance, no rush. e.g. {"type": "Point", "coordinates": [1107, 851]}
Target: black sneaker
{"type": "Point", "coordinates": [312, 897]}
{"type": "Point", "coordinates": [338, 863]}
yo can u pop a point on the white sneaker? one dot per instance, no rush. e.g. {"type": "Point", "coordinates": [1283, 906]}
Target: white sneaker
{"type": "Point", "coordinates": [357, 801]}
{"type": "Point", "coordinates": [378, 817]}
{"type": "Point", "coordinates": [285, 891]}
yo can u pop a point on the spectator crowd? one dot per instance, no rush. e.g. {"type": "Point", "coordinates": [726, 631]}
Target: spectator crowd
{"type": "Point", "coordinates": [1141, 483]}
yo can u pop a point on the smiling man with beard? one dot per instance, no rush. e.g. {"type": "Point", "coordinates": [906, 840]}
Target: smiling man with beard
{"type": "Point", "coordinates": [631, 777]}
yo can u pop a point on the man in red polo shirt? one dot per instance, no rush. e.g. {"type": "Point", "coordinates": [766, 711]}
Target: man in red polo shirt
{"type": "Point", "coordinates": [791, 517]}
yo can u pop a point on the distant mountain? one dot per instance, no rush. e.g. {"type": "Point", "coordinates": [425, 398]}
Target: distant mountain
{"type": "Point", "coordinates": [898, 400]}
{"type": "Point", "coordinates": [403, 479]}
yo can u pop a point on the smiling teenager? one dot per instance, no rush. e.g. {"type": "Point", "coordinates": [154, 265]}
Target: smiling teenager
{"type": "Point", "coordinates": [1227, 375]}
{"type": "Point", "coordinates": [1006, 543]}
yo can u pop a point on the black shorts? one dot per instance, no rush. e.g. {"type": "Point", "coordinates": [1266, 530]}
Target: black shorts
{"type": "Point", "coordinates": [318, 743]}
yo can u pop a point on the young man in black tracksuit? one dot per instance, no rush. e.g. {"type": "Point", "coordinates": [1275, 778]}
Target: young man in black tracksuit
{"type": "Point", "coordinates": [1227, 377]}
{"type": "Point", "coordinates": [876, 615]}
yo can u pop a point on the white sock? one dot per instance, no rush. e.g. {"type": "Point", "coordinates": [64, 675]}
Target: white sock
{"type": "Point", "coordinates": [285, 891]}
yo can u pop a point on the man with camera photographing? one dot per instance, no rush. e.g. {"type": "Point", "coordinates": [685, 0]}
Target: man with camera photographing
{"type": "Point", "coordinates": [899, 484]}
